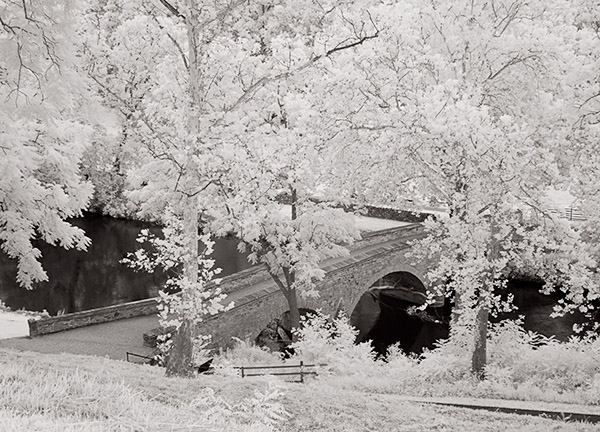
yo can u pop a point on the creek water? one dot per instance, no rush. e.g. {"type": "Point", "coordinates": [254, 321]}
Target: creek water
{"type": "Point", "coordinates": [535, 309]}
{"type": "Point", "coordinates": [386, 320]}
{"type": "Point", "coordinates": [96, 278]}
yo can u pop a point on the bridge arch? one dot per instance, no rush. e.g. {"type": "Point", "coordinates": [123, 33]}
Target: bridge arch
{"type": "Point", "coordinates": [383, 312]}
{"type": "Point", "coordinates": [396, 268]}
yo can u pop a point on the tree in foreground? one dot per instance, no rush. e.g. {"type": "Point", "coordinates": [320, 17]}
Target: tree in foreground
{"type": "Point", "coordinates": [477, 101]}
{"type": "Point", "coordinates": [286, 165]}
{"type": "Point", "coordinates": [217, 89]}
{"type": "Point", "coordinates": [582, 155]}
{"type": "Point", "coordinates": [44, 130]}
{"type": "Point", "coordinates": [182, 304]}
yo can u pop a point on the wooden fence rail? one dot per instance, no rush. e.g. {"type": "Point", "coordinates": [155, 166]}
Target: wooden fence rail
{"type": "Point", "coordinates": [574, 214]}
{"type": "Point", "coordinates": [303, 369]}
{"type": "Point", "coordinates": [266, 370]}
{"type": "Point", "coordinates": [569, 213]}
{"type": "Point", "coordinates": [131, 356]}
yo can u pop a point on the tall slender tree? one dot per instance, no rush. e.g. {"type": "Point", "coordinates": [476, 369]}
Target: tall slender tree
{"type": "Point", "coordinates": [209, 79]}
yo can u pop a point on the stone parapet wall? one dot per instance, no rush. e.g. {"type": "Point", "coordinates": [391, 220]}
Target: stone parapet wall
{"type": "Point", "coordinates": [69, 321]}
{"type": "Point", "coordinates": [56, 324]}
{"type": "Point", "coordinates": [374, 211]}
{"type": "Point", "coordinates": [244, 278]}
{"type": "Point", "coordinates": [260, 273]}
{"type": "Point", "coordinates": [371, 238]}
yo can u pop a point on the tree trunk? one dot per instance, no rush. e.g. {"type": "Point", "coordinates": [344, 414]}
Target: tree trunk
{"type": "Point", "coordinates": [294, 204]}
{"type": "Point", "coordinates": [180, 357]}
{"type": "Point", "coordinates": [456, 311]}
{"type": "Point", "coordinates": [179, 361]}
{"type": "Point", "coordinates": [479, 358]}
{"type": "Point", "coordinates": [292, 299]}
{"type": "Point", "coordinates": [291, 295]}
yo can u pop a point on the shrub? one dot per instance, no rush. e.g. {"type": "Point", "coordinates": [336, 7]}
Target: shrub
{"type": "Point", "coordinates": [521, 365]}
{"type": "Point", "coordinates": [244, 353]}
{"type": "Point", "coordinates": [262, 412]}
{"type": "Point", "coordinates": [322, 340]}
{"type": "Point", "coordinates": [524, 359]}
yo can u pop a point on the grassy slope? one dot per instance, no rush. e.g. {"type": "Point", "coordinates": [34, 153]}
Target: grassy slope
{"type": "Point", "coordinates": [77, 393]}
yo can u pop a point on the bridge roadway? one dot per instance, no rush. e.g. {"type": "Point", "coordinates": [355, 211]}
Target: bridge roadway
{"type": "Point", "coordinates": [114, 339]}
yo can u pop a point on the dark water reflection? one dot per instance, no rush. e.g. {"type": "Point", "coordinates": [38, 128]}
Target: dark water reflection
{"type": "Point", "coordinates": [86, 280]}
{"type": "Point", "coordinates": [386, 320]}
{"type": "Point", "coordinates": [536, 308]}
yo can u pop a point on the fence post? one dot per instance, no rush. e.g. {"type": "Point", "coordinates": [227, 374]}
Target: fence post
{"type": "Point", "coordinates": [242, 371]}
{"type": "Point", "coordinates": [302, 371]}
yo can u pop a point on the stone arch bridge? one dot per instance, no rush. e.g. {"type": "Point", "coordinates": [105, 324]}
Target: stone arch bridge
{"type": "Point", "coordinates": [257, 300]}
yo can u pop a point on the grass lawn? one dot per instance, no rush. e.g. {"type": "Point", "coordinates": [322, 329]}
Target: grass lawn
{"type": "Point", "coordinates": [44, 392]}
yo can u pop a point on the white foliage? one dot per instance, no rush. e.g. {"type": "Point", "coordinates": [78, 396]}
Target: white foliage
{"type": "Point", "coordinates": [262, 412]}
{"type": "Point", "coordinates": [524, 359]}
{"type": "Point", "coordinates": [476, 103]}
{"type": "Point", "coordinates": [330, 342]}
{"type": "Point", "coordinates": [522, 365]}
{"type": "Point", "coordinates": [181, 300]}
{"type": "Point", "coordinates": [44, 129]}
{"type": "Point", "coordinates": [244, 353]}
{"type": "Point", "coordinates": [249, 116]}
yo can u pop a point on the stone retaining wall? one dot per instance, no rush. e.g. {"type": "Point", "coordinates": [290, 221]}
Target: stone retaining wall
{"type": "Point", "coordinates": [251, 276]}
{"type": "Point", "coordinates": [93, 316]}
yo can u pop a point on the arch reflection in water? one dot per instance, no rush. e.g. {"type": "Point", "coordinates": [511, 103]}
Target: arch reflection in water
{"type": "Point", "coordinates": [388, 314]}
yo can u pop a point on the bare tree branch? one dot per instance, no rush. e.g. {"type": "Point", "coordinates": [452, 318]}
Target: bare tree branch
{"type": "Point", "coordinates": [251, 91]}
{"type": "Point", "coordinates": [511, 62]}
{"type": "Point", "coordinates": [177, 45]}
{"type": "Point", "coordinates": [172, 9]}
